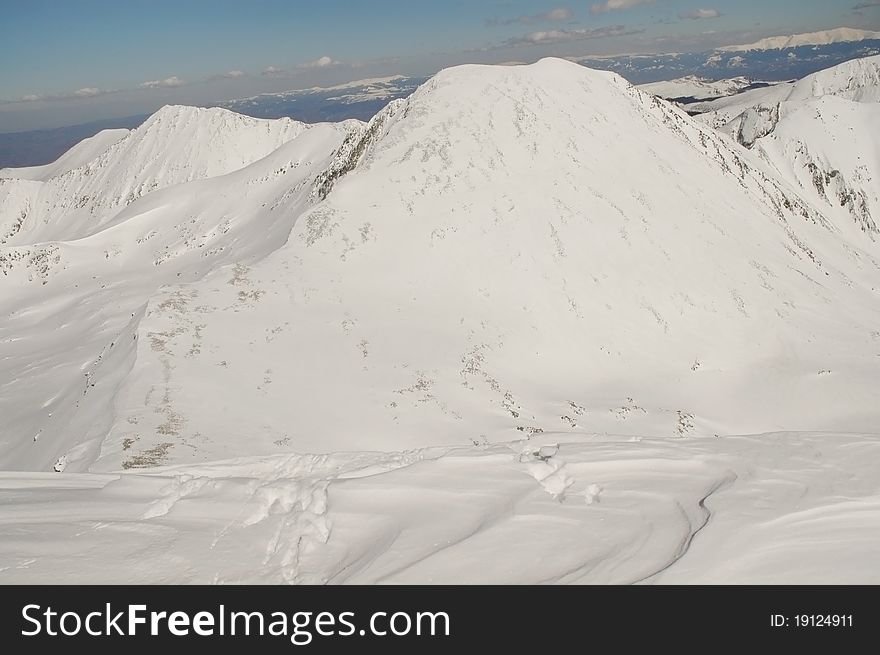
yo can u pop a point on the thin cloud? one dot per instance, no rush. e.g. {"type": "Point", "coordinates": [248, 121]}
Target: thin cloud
{"type": "Point", "coordinates": [699, 14]}
{"type": "Point", "coordinates": [228, 75]}
{"type": "Point", "coordinates": [546, 37]}
{"type": "Point", "coordinates": [617, 5]}
{"type": "Point", "coordinates": [168, 83]}
{"type": "Point", "coordinates": [320, 62]}
{"type": "Point", "coordinates": [867, 5]}
{"type": "Point", "coordinates": [272, 71]}
{"type": "Point", "coordinates": [558, 15]}
{"type": "Point", "coordinates": [85, 92]}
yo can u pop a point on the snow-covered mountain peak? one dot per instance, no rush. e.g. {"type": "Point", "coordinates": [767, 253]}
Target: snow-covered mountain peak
{"type": "Point", "coordinates": [180, 143]}
{"type": "Point", "coordinates": [79, 155]}
{"type": "Point", "coordinates": [697, 88]}
{"type": "Point", "coordinates": [857, 80]}
{"type": "Point", "coordinates": [177, 144]}
{"type": "Point", "coordinates": [819, 134]}
{"type": "Point", "coordinates": [825, 37]}
{"type": "Point", "coordinates": [492, 258]}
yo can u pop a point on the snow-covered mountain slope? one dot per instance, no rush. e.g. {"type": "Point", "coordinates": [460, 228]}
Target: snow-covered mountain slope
{"type": "Point", "coordinates": [775, 508]}
{"type": "Point", "coordinates": [175, 145]}
{"type": "Point", "coordinates": [830, 148]}
{"type": "Point", "coordinates": [697, 88]}
{"type": "Point", "coordinates": [508, 247]}
{"type": "Point", "coordinates": [819, 136]}
{"type": "Point", "coordinates": [755, 113]}
{"type": "Point", "coordinates": [719, 112]}
{"type": "Point", "coordinates": [857, 80]}
{"type": "Point", "coordinates": [80, 154]}
{"type": "Point", "coordinates": [527, 305]}
{"type": "Point", "coordinates": [71, 308]}
{"type": "Point", "coordinates": [837, 35]}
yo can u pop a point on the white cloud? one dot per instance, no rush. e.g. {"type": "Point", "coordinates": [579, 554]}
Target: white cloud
{"type": "Point", "coordinates": [698, 14]}
{"type": "Point", "coordinates": [167, 83]}
{"type": "Point", "coordinates": [272, 71]}
{"type": "Point", "coordinates": [617, 5]}
{"type": "Point", "coordinates": [560, 13]}
{"type": "Point", "coordinates": [228, 75]}
{"type": "Point", "coordinates": [85, 92]}
{"type": "Point", "coordinates": [320, 62]}
{"type": "Point", "coordinates": [545, 37]}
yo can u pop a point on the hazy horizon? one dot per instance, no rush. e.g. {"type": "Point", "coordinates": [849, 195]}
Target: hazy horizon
{"type": "Point", "coordinates": [97, 59]}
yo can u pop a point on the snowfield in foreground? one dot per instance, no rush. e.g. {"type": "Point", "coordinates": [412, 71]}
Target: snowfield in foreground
{"type": "Point", "coordinates": [517, 319]}
{"type": "Point", "coordinates": [774, 508]}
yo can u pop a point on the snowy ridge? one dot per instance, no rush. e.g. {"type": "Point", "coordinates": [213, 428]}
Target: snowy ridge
{"type": "Point", "coordinates": [354, 149]}
{"type": "Point", "coordinates": [698, 88]}
{"type": "Point", "coordinates": [80, 154]}
{"type": "Point", "coordinates": [718, 113]}
{"type": "Point", "coordinates": [837, 35]}
{"type": "Point", "coordinates": [857, 80]}
{"type": "Point", "coordinates": [816, 135]}
{"type": "Point", "coordinates": [828, 148]}
{"type": "Point", "coordinates": [175, 145]}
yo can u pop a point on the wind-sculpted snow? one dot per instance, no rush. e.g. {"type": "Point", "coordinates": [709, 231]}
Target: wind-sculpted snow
{"type": "Point", "coordinates": [755, 509]}
{"type": "Point", "coordinates": [477, 287]}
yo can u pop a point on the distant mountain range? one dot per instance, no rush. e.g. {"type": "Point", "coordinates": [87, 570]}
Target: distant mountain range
{"type": "Point", "coordinates": [772, 59]}
{"type": "Point", "coordinates": [826, 37]}
{"type": "Point", "coordinates": [771, 64]}
{"type": "Point", "coordinates": [360, 99]}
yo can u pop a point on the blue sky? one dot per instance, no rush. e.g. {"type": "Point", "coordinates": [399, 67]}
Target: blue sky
{"type": "Point", "coordinates": [67, 61]}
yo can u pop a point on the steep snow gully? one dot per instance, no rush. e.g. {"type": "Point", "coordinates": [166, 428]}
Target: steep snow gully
{"type": "Point", "coordinates": [530, 324]}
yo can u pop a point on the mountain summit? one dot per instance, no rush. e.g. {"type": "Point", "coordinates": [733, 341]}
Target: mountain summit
{"type": "Point", "coordinates": [510, 251]}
